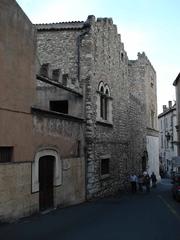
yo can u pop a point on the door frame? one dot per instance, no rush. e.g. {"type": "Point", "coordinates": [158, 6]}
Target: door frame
{"type": "Point", "coordinates": [57, 181]}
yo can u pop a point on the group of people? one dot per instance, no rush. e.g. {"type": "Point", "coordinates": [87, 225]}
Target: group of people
{"type": "Point", "coordinates": [142, 180]}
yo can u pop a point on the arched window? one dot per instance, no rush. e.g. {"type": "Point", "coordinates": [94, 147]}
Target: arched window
{"type": "Point", "coordinates": [104, 102]}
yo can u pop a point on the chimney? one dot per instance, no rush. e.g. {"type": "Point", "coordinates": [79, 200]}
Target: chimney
{"type": "Point", "coordinates": [170, 104]}
{"type": "Point", "coordinates": [164, 108]}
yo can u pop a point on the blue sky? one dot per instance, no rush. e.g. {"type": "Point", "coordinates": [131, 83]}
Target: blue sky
{"type": "Point", "coordinates": [152, 26]}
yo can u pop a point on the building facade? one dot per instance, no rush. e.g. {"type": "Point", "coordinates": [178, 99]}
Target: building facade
{"type": "Point", "coordinates": [77, 115]}
{"type": "Point", "coordinates": [143, 114]}
{"type": "Point", "coordinates": [41, 150]}
{"type": "Point", "coordinates": [176, 160]}
{"type": "Point", "coordinates": [119, 97]}
{"type": "Point", "coordinates": [167, 138]}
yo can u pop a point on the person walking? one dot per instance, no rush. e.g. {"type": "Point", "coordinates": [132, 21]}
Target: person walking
{"type": "Point", "coordinates": [153, 179]}
{"type": "Point", "coordinates": [140, 182]}
{"type": "Point", "coordinates": [133, 181]}
{"type": "Point", "coordinates": [147, 182]}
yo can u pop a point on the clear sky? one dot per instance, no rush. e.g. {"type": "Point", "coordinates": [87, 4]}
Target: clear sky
{"type": "Point", "coordinates": [152, 26]}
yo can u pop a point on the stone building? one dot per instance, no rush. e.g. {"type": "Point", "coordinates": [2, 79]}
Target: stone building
{"type": "Point", "coordinates": [119, 98]}
{"type": "Point", "coordinates": [143, 114]}
{"type": "Point", "coordinates": [77, 115]}
{"type": "Point", "coordinates": [91, 53]}
{"type": "Point", "coordinates": [176, 83]}
{"type": "Point", "coordinates": [167, 138]}
{"type": "Point", "coordinates": [41, 150]}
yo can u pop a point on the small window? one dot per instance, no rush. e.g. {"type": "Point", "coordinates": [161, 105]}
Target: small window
{"type": "Point", "coordinates": [104, 166]}
{"type": "Point", "coordinates": [122, 57]}
{"type": "Point", "coordinates": [59, 106]}
{"type": "Point", "coordinates": [6, 154]}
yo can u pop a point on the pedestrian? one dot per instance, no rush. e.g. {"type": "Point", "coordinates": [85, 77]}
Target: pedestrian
{"type": "Point", "coordinates": [153, 179]}
{"type": "Point", "coordinates": [147, 182]}
{"type": "Point", "coordinates": [133, 181]}
{"type": "Point", "coordinates": [140, 182]}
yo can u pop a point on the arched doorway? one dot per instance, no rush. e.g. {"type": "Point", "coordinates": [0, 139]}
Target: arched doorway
{"type": "Point", "coordinates": [46, 178]}
{"type": "Point", "coordinates": [52, 168]}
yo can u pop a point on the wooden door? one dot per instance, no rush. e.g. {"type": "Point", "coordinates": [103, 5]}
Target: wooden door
{"type": "Point", "coordinates": [46, 175]}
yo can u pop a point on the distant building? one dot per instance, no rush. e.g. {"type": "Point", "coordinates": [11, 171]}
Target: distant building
{"type": "Point", "coordinates": [176, 160]}
{"type": "Point", "coordinates": [167, 138]}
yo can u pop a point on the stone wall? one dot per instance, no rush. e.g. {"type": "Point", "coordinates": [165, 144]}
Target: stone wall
{"type": "Point", "coordinates": [142, 78]}
{"type": "Point", "coordinates": [18, 200]}
{"type": "Point", "coordinates": [95, 54]}
{"type": "Point", "coordinates": [137, 115]}
{"type": "Point", "coordinates": [53, 129]}
{"type": "Point", "coordinates": [103, 59]}
{"type": "Point", "coordinates": [60, 48]}
{"type": "Point", "coordinates": [47, 92]}
{"type": "Point", "coordinates": [15, 185]}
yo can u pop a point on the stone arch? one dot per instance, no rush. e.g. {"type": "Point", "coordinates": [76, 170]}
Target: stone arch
{"type": "Point", "coordinates": [101, 87]}
{"type": "Point", "coordinates": [57, 168]}
{"type": "Point", "coordinates": [107, 90]}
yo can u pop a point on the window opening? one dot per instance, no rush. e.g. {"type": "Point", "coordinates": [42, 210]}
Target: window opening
{"type": "Point", "coordinates": [6, 154]}
{"type": "Point", "coordinates": [104, 100]}
{"type": "Point", "coordinates": [105, 166]}
{"type": "Point", "coordinates": [122, 57]}
{"type": "Point", "coordinates": [59, 106]}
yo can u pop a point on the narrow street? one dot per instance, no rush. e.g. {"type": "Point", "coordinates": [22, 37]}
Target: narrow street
{"type": "Point", "coordinates": [153, 216]}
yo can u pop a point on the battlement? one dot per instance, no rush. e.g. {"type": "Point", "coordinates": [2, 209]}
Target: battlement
{"type": "Point", "coordinates": [142, 57]}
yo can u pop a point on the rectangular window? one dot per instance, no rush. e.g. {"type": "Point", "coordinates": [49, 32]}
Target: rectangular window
{"type": "Point", "coordinates": [6, 154]}
{"type": "Point", "coordinates": [161, 141]}
{"type": "Point", "coordinates": [59, 106]}
{"type": "Point", "coordinates": [104, 166]}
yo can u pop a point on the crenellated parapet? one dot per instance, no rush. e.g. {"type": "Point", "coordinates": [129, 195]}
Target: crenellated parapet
{"type": "Point", "coordinates": [142, 57]}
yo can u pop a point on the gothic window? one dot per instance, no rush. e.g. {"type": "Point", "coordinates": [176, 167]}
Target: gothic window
{"type": "Point", "coordinates": [104, 104]}
{"type": "Point", "coordinates": [102, 101]}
